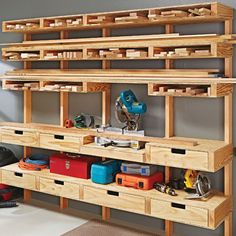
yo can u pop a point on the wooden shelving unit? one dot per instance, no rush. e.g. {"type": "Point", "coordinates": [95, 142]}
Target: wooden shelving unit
{"type": "Point", "coordinates": [199, 154]}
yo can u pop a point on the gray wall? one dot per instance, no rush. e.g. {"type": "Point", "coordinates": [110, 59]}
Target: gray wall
{"type": "Point", "coordinates": [193, 117]}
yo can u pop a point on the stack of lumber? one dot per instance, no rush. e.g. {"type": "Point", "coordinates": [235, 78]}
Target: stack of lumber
{"type": "Point", "coordinates": [188, 90]}
{"type": "Point", "coordinates": [29, 55]}
{"type": "Point", "coordinates": [100, 20]}
{"type": "Point", "coordinates": [12, 56]}
{"type": "Point", "coordinates": [19, 85]}
{"type": "Point", "coordinates": [22, 26]}
{"type": "Point", "coordinates": [131, 17]}
{"type": "Point", "coordinates": [93, 54]}
{"type": "Point", "coordinates": [136, 53]}
{"type": "Point", "coordinates": [61, 87]}
{"type": "Point", "coordinates": [112, 53]}
{"type": "Point", "coordinates": [70, 55]}
{"type": "Point", "coordinates": [200, 12]}
{"type": "Point", "coordinates": [57, 23]}
{"type": "Point", "coordinates": [174, 13]}
{"type": "Point", "coordinates": [74, 22]}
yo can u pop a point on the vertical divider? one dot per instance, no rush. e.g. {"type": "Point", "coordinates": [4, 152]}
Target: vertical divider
{"type": "Point", "coordinates": [64, 109]}
{"type": "Point", "coordinates": [106, 112]}
{"type": "Point", "coordinates": [169, 127]}
{"type": "Point", "coordinates": [228, 124]}
{"type": "Point", "coordinates": [27, 102]}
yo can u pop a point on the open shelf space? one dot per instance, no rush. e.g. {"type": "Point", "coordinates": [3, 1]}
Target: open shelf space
{"type": "Point", "coordinates": [186, 14]}
{"type": "Point", "coordinates": [208, 213]}
{"type": "Point", "coordinates": [173, 46]}
{"type": "Point", "coordinates": [205, 155]}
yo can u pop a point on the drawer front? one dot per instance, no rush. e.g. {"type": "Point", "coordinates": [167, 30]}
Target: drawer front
{"type": "Point", "coordinates": [18, 179]}
{"type": "Point", "coordinates": [19, 137]}
{"type": "Point", "coordinates": [180, 158]}
{"type": "Point", "coordinates": [60, 142]}
{"type": "Point", "coordinates": [59, 188]}
{"type": "Point", "coordinates": [179, 213]}
{"type": "Point", "coordinates": [117, 200]}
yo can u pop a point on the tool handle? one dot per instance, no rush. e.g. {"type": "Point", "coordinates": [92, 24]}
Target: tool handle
{"type": "Point", "coordinates": [8, 204]}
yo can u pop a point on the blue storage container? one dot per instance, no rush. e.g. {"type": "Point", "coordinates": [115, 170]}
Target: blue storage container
{"type": "Point", "coordinates": [105, 172]}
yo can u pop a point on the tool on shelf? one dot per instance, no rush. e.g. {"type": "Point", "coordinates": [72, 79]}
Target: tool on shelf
{"type": "Point", "coordinates": [129, 110]}
{"type": "Point", "coordinates": [139, 181]}
{"type": "Point", "coordinates": [106, 142]}
{"type": "Point", "coordinates": [105, 172]}
{"type": "Point", "coordinates": [84, 121]}
{"type": "Point", "coordinates": [35, 162]}
{"type": "Point", "coordinates": [135, 168]}
{"type": "Point", "coordinates": [164, 188]}
{"type": "Point", "coordinates": [196, 184]}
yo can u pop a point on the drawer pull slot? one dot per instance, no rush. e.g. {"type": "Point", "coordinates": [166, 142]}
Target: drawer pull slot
{"type": "Point", "coordinates": [59, 182]}
{"type": "Point", "coordinates": [178, 151]}
{"type": "Point", "coordinates": [113, 193]}
{"type": "Point", "coordinates": [20, 132]}
{"type": "Point", "coordinates": [18, 174]}
{"type": "Point", "coordinates": [59, 137]}
{"type": "Point", "coordinates": [177, 205]}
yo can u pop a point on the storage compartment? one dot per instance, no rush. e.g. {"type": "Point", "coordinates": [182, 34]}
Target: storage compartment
{"type": "Point", "coordinates": [177, 157]}
{"type": "Point", "coordinates": [20, 137]}
{"type": "Point", "coordinates": [20, 85]}
{"type": "Point", "coordinates": [58, 142]}
{"type": "Point", "coordinates": [114, 199]}
{"type": "Point", "coordinates": [21, 55]}
{"type": "Point", "coordinates": [59, 188]}
{"type": "Point", "coordinates": [126, 154]}
{"type": "Point", "coordinates": [63, 55]}
{"type": "Point", "coordinates": [179, 213]}
{"type": "Point", "coordinates": [18, 179]}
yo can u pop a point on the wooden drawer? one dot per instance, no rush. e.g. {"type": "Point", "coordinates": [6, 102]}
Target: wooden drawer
{"type": "Point", "coordinates": [176, 157]}
{"type": "Point", "coordinates": [60, 142]}
{"type": "Point", "coordinates": [59, 188]}
{"type": "Point", "coordinates": [113, 199]}
{"type": "Point", "coordinates": [20, 137]}
{"type": "Point", "coordinates": [179, 213]}
{"type": "Point", "coordinates": [18, 179]}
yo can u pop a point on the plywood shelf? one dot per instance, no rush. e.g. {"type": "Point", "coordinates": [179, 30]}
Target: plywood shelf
{"type": "Point", "coordinates": [81, 189]}
{"type": "Point", "coordinates": [122, 47]}
{"type": "Point", "coordinates": [212, 12]}
{"type": "Point", "coordinates": [205, 155]}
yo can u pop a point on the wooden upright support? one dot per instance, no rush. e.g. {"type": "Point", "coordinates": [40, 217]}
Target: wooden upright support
{"type": "Point", "coordinates": [27, 115]}
{"type": "Point", "coordinates": [228, 124]}
{"type": "Point", "coordinates": [64, 110]}
{"type": "Point", "coordinates": [106, 113]}
{"type": "Point", "coordinates": [169, 127]}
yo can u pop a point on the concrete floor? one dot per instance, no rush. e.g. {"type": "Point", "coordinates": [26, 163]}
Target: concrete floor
{"type": "Point", "coordinates": [28, 220]}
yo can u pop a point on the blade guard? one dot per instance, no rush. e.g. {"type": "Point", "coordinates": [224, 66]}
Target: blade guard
{"type": "Point", "coordinates": [131, 103]}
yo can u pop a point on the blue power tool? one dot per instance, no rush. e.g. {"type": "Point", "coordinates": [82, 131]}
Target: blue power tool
{"type": "Point", "coordinates": [129, 110]}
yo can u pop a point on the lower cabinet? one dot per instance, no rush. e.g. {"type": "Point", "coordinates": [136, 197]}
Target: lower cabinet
{"type": "Point", "coordinates": [113, 199]}
{"type": "Point", "coordinates": [59, 188]}
{"type": "Point", "coordinates": [179, 213]}
{"type": "Point", "coordinates": [19, 179]}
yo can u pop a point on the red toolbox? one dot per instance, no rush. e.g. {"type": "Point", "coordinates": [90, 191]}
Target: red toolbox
{"type": "Point", "coordinates": [139, 181]}
{"type": "Point", "coordinates": [74, 166]}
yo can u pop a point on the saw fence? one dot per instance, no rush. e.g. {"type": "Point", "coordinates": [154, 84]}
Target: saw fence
{"type": "Point", "coordinates": [169, 151]}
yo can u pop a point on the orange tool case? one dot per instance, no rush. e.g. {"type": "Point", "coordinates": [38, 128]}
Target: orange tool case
{"type": "Point", "coordinates": [138, 181]}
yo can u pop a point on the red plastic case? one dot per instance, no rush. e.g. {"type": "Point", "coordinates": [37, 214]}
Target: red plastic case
{"type": "Point", "coordinates": [74, 166]}
{"type": "Point", "coordinates": [138, 181]}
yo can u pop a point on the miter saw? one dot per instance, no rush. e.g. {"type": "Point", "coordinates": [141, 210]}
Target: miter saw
{"type": "Point", "coordinates": [128, 110]}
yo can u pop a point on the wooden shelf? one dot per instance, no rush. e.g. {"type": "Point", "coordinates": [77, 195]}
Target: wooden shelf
{"type": "Point", "coordinates": [205, 155]}
{"type": "Point", "coordinates": [122, 47]}
{"type": "Point", "coordinates": [54, 86]}
{"type": "Point", "coordinates": [120, 19]}
{"type": "Point", "coordinates": [208, 213]}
